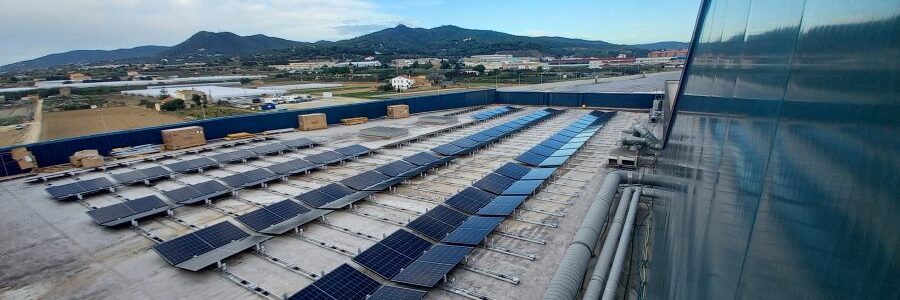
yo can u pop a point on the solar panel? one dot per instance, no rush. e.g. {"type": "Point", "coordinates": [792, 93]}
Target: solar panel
{"type": "Point", "coordinates": [542, 150]}
{"type": "Point", "coordinates": [559, 138]}
{"type": "Point", "coordinates": [539, 174]}
{"type": "Point", "coordinates": [564, 152]}
{"type": "Point", "coordinates": [145, 204]}
{"type": "Point", "coordinates": [390, 255]}
{"type": "Point", "coordinates": [365, 181]}
{"type": "Point", "coordinates": [494, 133]}
{"type": "Point", "coordinates": [269, 149]}
{"type": "Point", "coordinates": [182, 194]}
{"type": "Point", "coordinates": [552, 144]}
{"type": "Point", "coordinates": [513, 170]}
{"type": "Point", "coordinates": [480, 137]}
{"type": "Point", "coordinates": [182, 166]}
{"type": "Point", "coordinates": [220, 234]}
{"type": "Point", "coordinates": [65, 190]}
{"type": "Point", "coordinates": [501, 206]}
{"type": "Point", "coordinates": [299, 143]}
{"type": "Point", "coordinates": [353, 150]}
{"type": "Point", "coordinates": [129, 177]}
{"type": "Point", "coordinates": [291, 167]}
{"type": "Point", "coordinates": [287, 209]}
{"type": "Point", "coordinates": [196, 192]}
{"type": "Point", "coordinates": [523, 187]}
{"type": "Point", "coordinates": [259, 219]}
{"type": "Point", "coordinates": [110, 213]}
{"type": "Point", "coordinates": [422, 159]}
{"type": "Point", "coordinates": [324, 195]}
{"type": "Point", "coordinates": [447, 149]}
{"type": "Point", "coordinates": [470, 199]}
{"type": "Point", "coordinates": [182, 248]}
{"type": "Point", "coordinates": [324, 158]}
{"type": "Point", "coordinates": [345, 282]}
{"type": "Point", "coordinates": [473, 231]}
{"type": "Point", "coordinates": [465, 143]}
{"type": "Point", "coordinates": [431, 267]}
{"type": "Point", "coordinates": [531, 158]}
{"type": "Point", "coordinates": [494, 183]}
{"type": "Point", "coordinates": [397, 168]}
{"type": "Point", "coordinates": [554, 161]}
{"type": "Point", "coordinates": [236, 181]}
{"type": "Point", "coordinates": [437, 222]}
{"type": "Point", "coordinates": [387, 292]}
{"type": "Point", "coordinates": [233, 156]}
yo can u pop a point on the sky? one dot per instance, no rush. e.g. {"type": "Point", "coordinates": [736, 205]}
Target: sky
{"type": "Point", "coordinates": [33, 28]}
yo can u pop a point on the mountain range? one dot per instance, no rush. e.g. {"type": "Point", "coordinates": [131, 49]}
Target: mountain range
{"type": "Point", "coordinates": [443, 41]}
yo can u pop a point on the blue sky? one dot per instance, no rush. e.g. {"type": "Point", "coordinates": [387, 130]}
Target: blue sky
{"type": "Point", "coordinates": [65, 25]}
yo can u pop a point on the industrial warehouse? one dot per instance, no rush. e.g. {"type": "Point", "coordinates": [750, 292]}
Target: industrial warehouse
{"type": "Point", "coordinates": [764, 171]}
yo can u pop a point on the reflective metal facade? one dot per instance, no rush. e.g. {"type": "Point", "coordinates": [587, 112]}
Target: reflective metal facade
{"type": "Point", "coordinates": [787, 136]}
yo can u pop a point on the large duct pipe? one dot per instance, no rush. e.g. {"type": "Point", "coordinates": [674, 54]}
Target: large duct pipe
{"type": "Point", "coordinates": [601, 269]}
{"type": "Point", "coordinates": [615, 272]}
{"type": "Point", "coordinates": [570, 274]}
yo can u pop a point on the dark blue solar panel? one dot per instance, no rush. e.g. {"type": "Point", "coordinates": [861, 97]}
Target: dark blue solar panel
{"type": "Point", "coordinates": [422, 159]}
{"type": "Point", "coordinates": [572, 145]}
{"type": "Point", "coordinates": [269, 149]}
{"type": "Point", "coordinates": [221, 234]}
{"type": "Point", "coordinates": [335, 190]}
{"type": "Point", "coordinates": [431, 267]}
{"type": "Point", "coordinates": [473, 231]}
{"type": "Point", "coordinates": [539, 174]}
{"type": "Point", "coordinates": [513, 170]}
{"type": "Point", "coordinates": [259, 219]}
{"type": "Point", "coordinates": [396, 169]}
{"type": "Point", "coordinates": [182, 248]}
{"type": "Point", "coordinates": [393, 253]}
{"type": "Point", "coordinates": [552, 144]}
{"type": "Point", "coordinates": [523, 187]}
{"type": "Point", "coordinates": [554, 161]}
{"type": "Point", "coordinates": [531, 158]}
{"type": "Point", "coordinates": [353, 150]}
{"type": "Point", "coordinates": [315, 198]}
{"type": "Point", "coordinates": [465, 143]}
{"type": "Point", "coordinates": [345, 282]}
{"type": "Point", "coordinates": [501, 206]}
{"type": "Point", "coordinates": [568, 133]}
{"type": "Point", "coordinates": [145, 204]}
{"type": "Point", "coordinates": [436, 223]}
{"type": "Point", "coordinates": [110, 213]}
{"type": "Point", "coordinates": [365, 180]}
{"type": "Point", "coordinates": [494, 183]}
{"type": "Point", "coordinates": [209, 187]}
{"type": "Point", "coordinates": [494, 133]}
{"type": "Point", "coordinates": [65, 190]}
{"type": "Point", "coordinates": [324, 158]}
{"type": "Point", "coordinates": [447, 149]}
{"type": "Point", "coordinates": [287, 209]}
{"type": "Point", "coordinates": [299, 143]}
{"type": "Point", "coordinates": [129, 177]}
{"type": "Point", "coordinates": [96, 184]}
{"type": "Point", "coordinates": [291, 167]}
{"type": "Point", "coordinates": [387, 292]}
{"type": "Point", "coordinates": [480, 137]}
{"type": "Point", "coordinates": [559, 138]}
{"type": "Point", "coordinates": [182, 194]}
{"type": "Point", "coordinates": [564, 152]}
{"type": "Point", "coordinates": [470, 200]}
{"type": "Point", "coordinates": [542, 150]}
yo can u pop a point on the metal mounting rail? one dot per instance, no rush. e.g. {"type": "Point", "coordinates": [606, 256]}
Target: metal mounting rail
{"type": "Point", "coordinates": [551, 225]}
{"type": "Point", "coordinates": [246, 284]}
{"type": "Point", "coordinates": [287, 265]}
{"type": "Point", "coordinates": [325, 245]}
{"type": "Point", "coordinates": [538, 241]}
{"type": "Point", "coordinates": [493, 274]}
{"type": "Point", "coordinates": [349, 231]}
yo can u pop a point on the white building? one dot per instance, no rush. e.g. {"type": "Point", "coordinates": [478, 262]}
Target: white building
{"type": "Point", "coordinates": [304, 65]}
{"type": "Point", "coordinates": [407, 62]}
{"type": "Point", "coordinates": [502, 61]}
{"type": "Point", "coordinates": [359, 64]}
{"type": "Point", "coordinates": [402, 82]}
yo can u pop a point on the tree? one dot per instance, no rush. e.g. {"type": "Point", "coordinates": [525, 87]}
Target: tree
{"type": "Point", "coordinates": [163, 94]}
{"type": "Point", "coordinates": [435, 78]}
{"type": "Point", "coordinates": [173, 105]}
{"type": "Point", "coordinates": [479, 68]}
{"type": "Point", "coordinates": [415, 65]}
{"type": "Point", "coordinates": [445, 65]}
{"type": "Point", "coordinates": [197, 99]}
{"type": "Point", "coordinates": [429, 66]}
{"type": "Point", "coordinates": [387, 87]}
{"type": "Point", "coordinates": [539, 69]}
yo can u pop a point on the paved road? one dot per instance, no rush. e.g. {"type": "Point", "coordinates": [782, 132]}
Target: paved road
{"type": "Point", "coordinates": [653, 82]}
{"type": "Point", "coordinates": [33, 130]}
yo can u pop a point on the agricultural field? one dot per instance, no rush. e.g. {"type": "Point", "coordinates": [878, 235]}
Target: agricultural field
{"type": "Point", "coordinates": [73, 123]}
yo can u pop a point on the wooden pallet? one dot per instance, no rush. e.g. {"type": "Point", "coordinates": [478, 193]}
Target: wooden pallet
{"type": "Point", "coordinates": [354, 121]}
{"type": "Point", "coordinates": [239, 136]}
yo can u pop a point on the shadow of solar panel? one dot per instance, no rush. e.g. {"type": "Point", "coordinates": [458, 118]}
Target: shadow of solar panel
{"type": "Point", "coordinates": [345, 282]}
{"type": "Point", "coordinates": [542, 150]}
{"type": "Point", "coordinates": [473, 231]}
{"type": "Point", "coordinates": [538, 174]}
{"type": "Point", "coordinates": [291, 167]}
{"type": "Point", "coordinates": [393, 253]}
{"type": "Point", "coordinates": [531, 158]}
{"type": "Point", "coordinates": [353, 150]}
{"type": "Point", "coordinates": [221, 234]}
{"type": "Point", "coordinates": [397, 168]}
{"type": "Point", "coordinates": [365, 181]}
{"type": "Point", "coordinates": [437, 222]}
{"type": "Point", "coordinates": [431, 267]}
{"type": "Point", "coordinates": [182, 248]}
{"type": "Point", "coordinates": [552, 144]}
{"type": "Point", "coordinates": [387, 292]}
{"type": "Point", "coordinates": [325, 158]}
{"type": "Point", "coordinates": [448, 149]}
{"type": "Point", "coordinates": [299, 143]}
{"type": "Point", "coordinates": [513, 170]}
{"type": "Point", "coordinates": [422, 159]}
{"type": "Point", "coordinates": [470, 199]}
{"type": "Point", "coordinates": [494, 183]}
{"type": "Point", "coordinates": [523, 187]}
{"type": "Point", "coordinates": [501, 206]}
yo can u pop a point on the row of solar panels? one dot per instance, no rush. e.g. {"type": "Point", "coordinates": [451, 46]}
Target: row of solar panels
{"type": "Point", "coordinates": [492, 113]}
{"type": "Point", "coordinates": [404, 257]}
{"type": "Point", "coordinates": [556, 150]}
{"type": "Point", "coordinates": [80, 188]}
{"type": "Point", "coordinates": [469, 144]}
{"type": "Point", "coordinates": [118, 214]}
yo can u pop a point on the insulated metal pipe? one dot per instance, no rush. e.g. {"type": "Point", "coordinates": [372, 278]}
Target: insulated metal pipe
{"type": "Point", "coordinates": [615, 273]}
{"type": "Point", "coordinates": [570, 274]}
{"type": "Point", "coordinates": [601, 269]}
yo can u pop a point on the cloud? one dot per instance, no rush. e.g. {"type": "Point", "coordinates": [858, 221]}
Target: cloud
{"type": "Point", "coordinates": [38, 27]}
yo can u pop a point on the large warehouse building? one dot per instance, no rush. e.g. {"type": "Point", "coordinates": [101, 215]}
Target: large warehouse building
{"type": "Point", "coordinates": [770, 174]}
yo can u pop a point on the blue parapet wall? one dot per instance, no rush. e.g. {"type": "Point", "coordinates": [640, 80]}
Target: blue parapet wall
{"type": "Point", "coordinates": [58, 151]}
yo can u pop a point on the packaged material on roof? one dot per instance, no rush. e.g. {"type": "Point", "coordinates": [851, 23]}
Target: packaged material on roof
{"type": "Point", "coordinates": [184, 137]}
{"type": "Point", "coordinates": [312, 121]}
{"type": "Point", "coordinates": [77, 157]}
{"type": "Point", "coordinates": [398, 111]}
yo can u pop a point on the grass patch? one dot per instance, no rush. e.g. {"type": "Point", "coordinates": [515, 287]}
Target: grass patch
{"type": "Point", "coordinates": [212, 111]}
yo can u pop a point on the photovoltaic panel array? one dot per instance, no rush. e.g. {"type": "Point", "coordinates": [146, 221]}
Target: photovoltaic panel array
{"type": "Point", "coordinates": [353, 150]}
{"type": "Point", "coordinates": [473, 142]}
{"type": "Point", "coordinates": [556, 150]}
{"type": "Point", "coordinates": [469, 200]}
{"type": "Point", "coordinates": [270, 215]}
{"type": "Point", "coordinates": [199, 242]}
{"type": "Point", "coordinates": [322, 196]}
{"type": "Point", "coordinates": [291, 167]}
{"type": "Point", "coordinates": [196, 192]}
{"type": "Point", "coordinates": [326, 158]}
{"type": "Point", "coordinates": [77, 188]}
{"type": "Point", "coordinates": [268, 149]}
{"type": "Point", "coordinates": [127, 211]}
{"type": "Point", "coordinates": [141, 175]}
{"type": "Point", "coordinates": [501, 206]}
{"type": "Point", "coordinates": [192, 165]}
{"type": "Point", "coordinates": [423, 159]}
{"type": "Point", "coordinates": [387, 292]}
{"type": "Point", "coordinates": [299, 143]}
{"type": "Point", "coordinates": [437, 222]}
{"type": "Point", "coordinates": [249, 178]}
{"type": "Point", "coordinates": [345, 283]}
{"type": "Point", "coordinates": [474, 230]}
{"type": "Point", "coordinates": [491, 113]}
{"type": "Point", "coordinates": [431, 267]}
{"type": "Point", "coordinates": [234, 156]}
{"type": "Point", "coordinates": [494, 183]}
{"type": "Point", "coordinates": [395, 252]}
{"type": "Point", "coordinates": [401, 169]}
{"type": "Point", "coordinates": [367, 181]}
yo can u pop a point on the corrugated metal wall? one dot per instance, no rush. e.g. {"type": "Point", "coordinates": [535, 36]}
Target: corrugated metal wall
{"type": "Point", "coordinates": [611, 100]}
